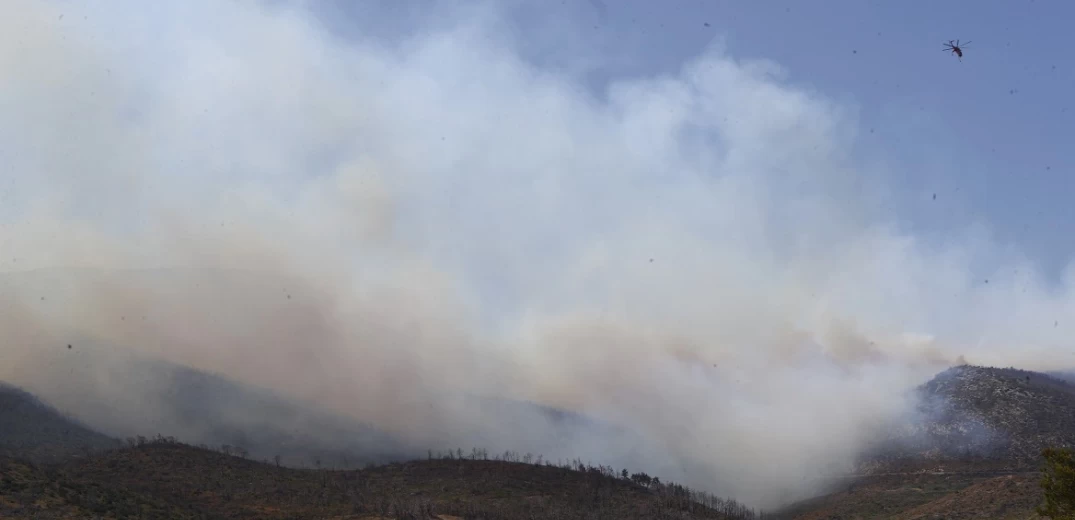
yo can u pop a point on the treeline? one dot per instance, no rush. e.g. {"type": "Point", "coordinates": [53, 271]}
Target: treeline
{"type": "Point", "coordinates": [669, 496]}
{"type": "Point", "coordinates": [1058, 484]}
{"type": "Point", "coordinates": [226, 449]}
{"type": "Point", "coordinates": [570, 488]}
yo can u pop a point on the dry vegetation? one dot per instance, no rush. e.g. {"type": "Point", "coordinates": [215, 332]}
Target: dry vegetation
{"type": "Point", "coordinates": [166, 479]}
{"type": "Point", "coordinates": [33, 431]}
{"type": "Point", "coordinates": [928, 495]}
{"type": "Point", "coordinates": [976, 454]}
{"type": "Point", "coordinates": [970, 460]}
{"type": "Point", "coordinates": [997, 416]}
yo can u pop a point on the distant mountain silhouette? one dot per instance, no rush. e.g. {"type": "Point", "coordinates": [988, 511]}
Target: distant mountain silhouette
{"type": "Point", "coordinates": [208, 409]}
{"type": "Point", "coordinates": [123, 393]}
{"type": "Point", "coordinates": [32, 430]}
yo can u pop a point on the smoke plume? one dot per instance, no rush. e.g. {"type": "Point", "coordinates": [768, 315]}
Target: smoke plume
{"type": "Point", "coordinates": [386, 224]}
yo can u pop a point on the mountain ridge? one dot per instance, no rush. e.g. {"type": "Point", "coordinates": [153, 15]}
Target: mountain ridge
{"type": "Point", "coordinates": [31, 429]}
{"type": "Point", "coordinates": [166, 479]}
{"type": "Point", "coordinates": [977, 432]}
{"type": "Point", "coordinates": [971, 450]}
{"type": "Point", "coordinates": [971, 411]}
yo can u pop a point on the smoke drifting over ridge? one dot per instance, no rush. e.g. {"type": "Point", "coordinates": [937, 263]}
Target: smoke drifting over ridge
{"type": "Point", "coordinates": [697, 257]}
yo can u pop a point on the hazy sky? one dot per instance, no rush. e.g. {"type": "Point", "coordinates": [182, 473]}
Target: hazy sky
{"type": "Point", "coordinates": [990, 136]}
{"type": "Point", "coordinates": [724, 236]}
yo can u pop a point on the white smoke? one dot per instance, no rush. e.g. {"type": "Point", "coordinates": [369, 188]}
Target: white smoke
{"type": "Point", "coordinates": [698, 257]}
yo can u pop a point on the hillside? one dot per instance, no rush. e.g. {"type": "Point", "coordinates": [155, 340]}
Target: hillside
{"type": "Point", "coordinates": [170, 480]}
{"type": "Point", "coordinates": [148, 396]}
{"type": "Point", "coordinates": [972, 451]}
{"type": "Point", "coordinates": [999, 414]}
{"type": "Point", "coordinates": [53, 467]}
{"type": "Point", "coordinates": [32, 430]}
{"type": "Point", "coordinates": [969, 452]}
{"type": "Point", "coordinates": [919, 495]}
{"type": "Point", "coordinates": [1063, 375]}
{"type": "Point", "coordinates": [204, 408]}
{"type": "Point", "coordinates": [128, 384]}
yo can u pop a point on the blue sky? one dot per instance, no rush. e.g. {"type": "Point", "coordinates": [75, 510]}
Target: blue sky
{"type": "Point", "coordinates": [532, 148]}
{"type": "Point", "coordinates": [1008, 153]}
{"type": "Point", "coordinates": [1005, 155]}
{"type": "Point", "coordinates": [988, 135]}
{"type": "Point", "coordinates": [612, 209]}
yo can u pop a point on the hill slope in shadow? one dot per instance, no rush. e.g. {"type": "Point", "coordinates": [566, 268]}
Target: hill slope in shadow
{"type": "Point", "coordinates": [145, 386]}
{"type": "Point", "coordinates": [212, 410]}
{"type": "Point", "coordinates": [32, 430]}
{"type": "Point", "coordinates": [170, 480]}
{"type": "Point", "coordinates": [148, 397]}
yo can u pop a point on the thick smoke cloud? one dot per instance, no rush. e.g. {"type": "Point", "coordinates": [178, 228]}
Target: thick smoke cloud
{"type": "Point", "coordinates": [383, 225]}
